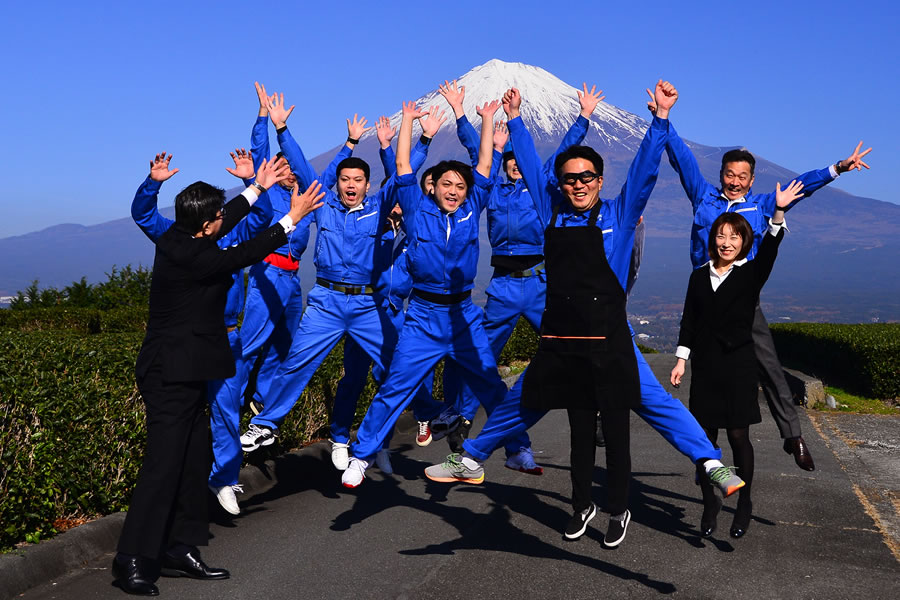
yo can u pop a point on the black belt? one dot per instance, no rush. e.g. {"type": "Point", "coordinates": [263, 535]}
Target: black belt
{"type": "Point", "coordinates": [350, 290]}
{"type": "Point", "coordinates": [443, 298]}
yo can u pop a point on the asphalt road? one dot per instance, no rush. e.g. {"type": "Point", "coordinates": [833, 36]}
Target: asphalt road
{"type": "Point", "coordinates": [814, 535]}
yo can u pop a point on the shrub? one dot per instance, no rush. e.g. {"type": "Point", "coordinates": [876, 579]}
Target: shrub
{"type": "Point", "coordinates": [863, 358]}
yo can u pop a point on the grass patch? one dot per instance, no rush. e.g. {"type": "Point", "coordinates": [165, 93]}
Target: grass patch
{"type": "Point", "coordinates": [851, 403]}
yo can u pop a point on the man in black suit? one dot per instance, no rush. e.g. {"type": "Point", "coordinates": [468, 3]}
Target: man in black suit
{"type": "Point", "coordinates": [187, 345]}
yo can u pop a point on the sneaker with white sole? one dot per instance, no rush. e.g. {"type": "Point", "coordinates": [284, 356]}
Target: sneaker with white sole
{"type": "Point", "coordinates": [523, 462]}
{"type": "Point", "coordinates": [445, 424]}
{"type": "Point", "coordinates": [579, 522]}
{"type": "Point", "coordinates": [257, 436]}
{"type": "Point", "coordinates": [340, 455]}
{"type": "Point", "coordinates": [355, 473]}
{"type": "Point", "coordinates": [225, 496]}
{"type": "Point", "coordinates": [454, 469]}
{"type": "Point", "coordinates": [383, 460]}
{"type": "Point", "coordinates": [423, 435]}
{"type": "Point", "coordinates": [615, 533]}
{"type": "Point", "coordinates": [725, 479]}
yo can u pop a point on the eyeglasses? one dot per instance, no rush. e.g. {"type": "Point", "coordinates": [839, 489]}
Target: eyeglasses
{"type": "Point", "coordinates": [584, 177]}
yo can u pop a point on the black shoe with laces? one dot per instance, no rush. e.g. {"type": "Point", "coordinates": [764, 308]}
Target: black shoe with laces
{"type": "Point", "coordinates": [579, 522]}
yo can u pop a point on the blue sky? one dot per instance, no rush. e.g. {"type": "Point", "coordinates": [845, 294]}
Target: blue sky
{"type": "Point", "coordinates": [92, 90]}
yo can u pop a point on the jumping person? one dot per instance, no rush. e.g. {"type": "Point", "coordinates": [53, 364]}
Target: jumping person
{"type": "Point", "coordinates": [348, 263]}
{"type": "Point", "coordinates": [717, 335]}
{"type": "Point", "coordinates": [224, 394]}
{"type": "Point", "coordinates": [186, 346]}
{"type": "Point", "coordinates": [441, 320]}
{"type": "Point", "coordinates": [735, 195]}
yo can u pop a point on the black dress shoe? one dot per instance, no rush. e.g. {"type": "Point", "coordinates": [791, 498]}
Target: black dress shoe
{"type": "Point", "coordinates": [708, 519]}
{"type": "Point", "coordinates": [185, 561]}
{"type": "Point", "coordinates": [741, 523]}
{"type": "Point", "coordinates": [797, 446]}
{"type": "Point", "coordinates": [132, 576]}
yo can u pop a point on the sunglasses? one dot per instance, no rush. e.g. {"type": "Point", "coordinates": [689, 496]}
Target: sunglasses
{"type": "Point", "coordinates": [584, 177]}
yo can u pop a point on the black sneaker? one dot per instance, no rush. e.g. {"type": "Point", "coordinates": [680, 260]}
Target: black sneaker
{"type": "Point", "coordinates": [616, 531]}
{"type": "Point", "coordinates": [456, 437]}
{"type": "Point", "coordinates": [579, 521]}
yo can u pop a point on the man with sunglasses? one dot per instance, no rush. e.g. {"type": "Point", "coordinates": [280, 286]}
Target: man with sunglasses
{"type": "Point", "coordinates": [587, 359]}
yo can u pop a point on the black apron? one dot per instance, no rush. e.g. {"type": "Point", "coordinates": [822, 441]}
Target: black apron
{"type": "Point", "coordinates": [585, 358]}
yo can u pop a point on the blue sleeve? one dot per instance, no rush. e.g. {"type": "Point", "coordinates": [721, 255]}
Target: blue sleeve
{"type": "Point", "coordinates": [388, 160]}
{"type": "Point", "coordinates": [329, 175]}
{"type": "Point", "coordinates": [259, 141]}
{"type": "Point", "coordinates": [258, 219]}
{"type": "Point", "coordinates": [418, 156]}
{"type": "Point", "coordinates": [530, 167]}
{"type": "Point", "coordinates": [406, 192]}
{"type": "Point", "coordinates": [496, 161]}
{"type": "Point", "coordinates": [642, 174]}
{"type": "Point", "coordinates": [812, 181]}
{"type": "Point", "coordinates": [481, 191]}
{"type": "Point", "coordinates": [682, 160]}
{"type": "Point", "coordinates": [145, 213]}
{"type": "Point", "coordinates": [468, 137]}
{"type": "Point", "coordinates": [299, 165]}
{"type": "Point", "coordinates": [574, 136]}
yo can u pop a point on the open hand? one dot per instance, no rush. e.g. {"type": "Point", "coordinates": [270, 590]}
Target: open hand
{"type": "Point", "coordinates": [243, 164]}
{"type": "Point", "coordinates": [277, 112]}
{"type": "Point", "coordinates": [589, 100]}
{"type": "Point", "coordinates": [854, 161]}
{"type": "Point", "coordinates": [357, 127]}
{"type": "Point", "coordinates": [432, 121]}
{"type": "Point", "coordinates": [784, 198]}
{"type": "Point", "coordinates": [501, 136]}
{"type": "Point", "coordinates": [305, 203]}
{"type": "Point", "coordinates": [384, 131]}
{"type": "Point", "coordinates": [454, 96]}
{"type": "Point", "coordinates": [272, 172]}
{"type": "Point", "coordinates": [488, 109]}
{"type": "Point", "coordinates": [159, 167]}
{"type": "Point", "coordinates": [410, 111]}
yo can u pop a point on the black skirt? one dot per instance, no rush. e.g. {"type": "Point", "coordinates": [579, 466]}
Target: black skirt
{"type": "Point", "coordinates": [725, 389]}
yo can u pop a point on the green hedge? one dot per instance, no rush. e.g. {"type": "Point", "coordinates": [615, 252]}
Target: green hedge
{"type": "Point", "coordinates": [84, 320]}
{"type": "Point", "coordinates": [862, 358]}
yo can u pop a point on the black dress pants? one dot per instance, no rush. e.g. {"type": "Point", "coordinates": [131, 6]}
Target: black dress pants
{"type": "Point", "coordinates": [616, 429]}
{"type": "Point", "coordinates": [169, 504]}
{"type": "Point", "coordinates": [771, 376]}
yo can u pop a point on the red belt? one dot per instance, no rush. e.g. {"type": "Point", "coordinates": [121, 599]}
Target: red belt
{"type": "Point", "coordinates": [282, 262]}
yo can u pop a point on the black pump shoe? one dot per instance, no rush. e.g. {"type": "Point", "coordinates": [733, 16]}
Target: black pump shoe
{"type": "Point", "coordinates": [185, 561]}
{"type": "Point", "coordinates": [741, 522]}
{"type": "Point", "coordinates": [708, 519]}
{"type": "Point", "coordinates": [133, 577]}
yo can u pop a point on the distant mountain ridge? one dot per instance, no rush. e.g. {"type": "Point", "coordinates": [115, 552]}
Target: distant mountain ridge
{"type": "Point", "coordinates": [840, 261]}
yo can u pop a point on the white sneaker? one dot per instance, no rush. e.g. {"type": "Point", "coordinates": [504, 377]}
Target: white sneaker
{"type": "Point", "coordinates": [225, 496]}
{"type": "Point", "coordinates": [523, 461]}
{"type": "Point", "coordinates": [340, 456]}
{"type": "Point", "coordinates": [257, 436]}
{"type": "Point", "coordinates": [355, 473]}
{"type": "Point", "coordinates": [383, 460]}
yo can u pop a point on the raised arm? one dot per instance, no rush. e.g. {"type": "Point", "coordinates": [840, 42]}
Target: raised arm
{"type": "Point", "coordinates": [814, 180]}
{"type": "Point", "coordinates": [526, 156]}
{"type": "Point", "coordinates": [486, 147]}
{"type": "Point", "coordinates": [588, 100]}
{"type": "Point", "coordinates": [260, 216]}
{"type": "Point", "coordinates": [467, 135]}
{"type": "Point", "coordinates": [385, 134]}
{"type": "Point", "coordinates": [644, 169]}
{"type": "Point", "coordinates": [404, 141]}
{"type": "Point", "coordinates": [144, 209]}
{"type": "Point", "coordinates": [764, 260]}
{"type": "Point", "coordinates": [259, 136]}
{"type": "Point", "coordinates": [299, 164]}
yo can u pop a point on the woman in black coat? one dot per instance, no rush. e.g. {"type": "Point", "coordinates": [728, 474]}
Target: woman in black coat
{"type": "Point", "coordinates": [716, 328]}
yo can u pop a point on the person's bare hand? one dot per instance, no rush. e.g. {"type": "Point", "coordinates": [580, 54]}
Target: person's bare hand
{"type": "Point", "coordinates": [512, 101]}
{"type": "Point", "coordinates": [432, 121]}
{"type": "Point", "coordinates": [454, 96]}
{"type": "Point", "coordinates": [410, 111]}
{"type": "Point", "coordinates": [384, 131]}
{"type": "Point", "coordinates": [589, 100]}
{"type": "Point", "coordinates": [854, 161]}
{"type": "Point", "coordinates": [277, 112]}
{"type": "Point", "coordinates": [159, 167]}
{"type": "Point", "coordinates": [488, 109]}
{"type": "Point", "coordinates": [651, 105]}
{"type": "Point", "coordinates": [307, 202]}
{"type": "Point", "coordinates": [665, 95]}
{"type": "Point", "coordinates": [243, 164]}
{"type": "Point", "coordinates": [357, 128]}
{"type": "Point", "coordinates": [784, 197]}
{"type": "Point", "coordinates": [501, 136]}
{"type": "Point", "coordinates": [677, 373]}
{"type": "Point", "coordinates": [272, 172]}
{"type": "Point", "coordinates": [263, 98]}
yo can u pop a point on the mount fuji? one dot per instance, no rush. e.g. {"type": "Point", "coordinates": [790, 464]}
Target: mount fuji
{"type": "Point", "coordinates": [840, 262]}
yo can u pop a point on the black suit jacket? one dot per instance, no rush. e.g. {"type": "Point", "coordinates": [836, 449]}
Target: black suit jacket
{"type": "Point", "coordinates": [722, 320]}
{"type": "Point", "coordinates": [186, 333]}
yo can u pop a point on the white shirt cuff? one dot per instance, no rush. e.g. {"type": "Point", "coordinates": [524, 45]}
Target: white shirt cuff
{"type": "Point", "coordinates": [833, 171]}
{"type": "Point", "coordinates": [287, 223]}
{"type": "Point", "coordinates": [251, 195]}
{"type": "Point", "coordinates": [683, 352]}
{"type": "Point", "coordinates": [774, 228]}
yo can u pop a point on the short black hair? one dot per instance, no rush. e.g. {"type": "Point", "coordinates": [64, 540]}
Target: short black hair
{"type": "Point", "coordinates": [739, 225]}
{"type": "Point", "coordinates": [425, 174]}
{"type": "Point", "coordinates": [196, 204]}
{"type": "Point", "coordinates": [585, 152]}
{"type": "Point", "coordinates": [464, 170]}
{"type": "Point", "coordinates": [353, 162]}
{"type": "Point", "coordinates": [738, 155]}
{"type": "Point", "coordinates": [507, 156]}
